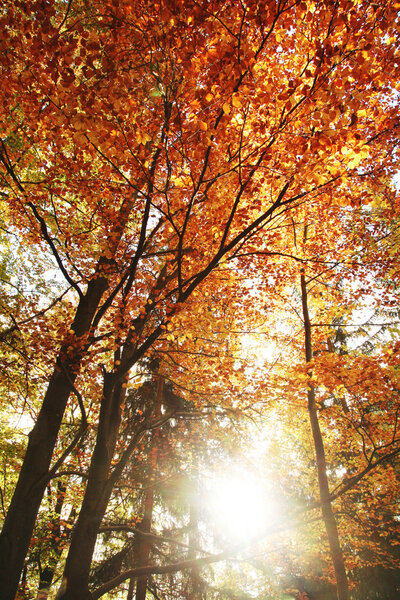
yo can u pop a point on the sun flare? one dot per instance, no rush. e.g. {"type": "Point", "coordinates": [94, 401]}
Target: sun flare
{"type": "Point", "coordinates": [241, 507]}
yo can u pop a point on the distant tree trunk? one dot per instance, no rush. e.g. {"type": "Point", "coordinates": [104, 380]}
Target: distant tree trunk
{"type": "Point", "coordinates": [144, 546]}
{"type": "Point", "coordinates": [32, 481]}
{"type": "Point", "coordinates": [145, 526]}
{"type": "Point", "coordinates": [131, 589]}
{"type": "Point", "coordinates": [195, 583]}
{"type": "Point", "coordinates": [327, 512]}
{"type": "Point", "coordinates": [46, 575]}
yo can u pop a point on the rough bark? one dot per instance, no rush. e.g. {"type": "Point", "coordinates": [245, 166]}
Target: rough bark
{"type": "Point", "coordinates": [144, 545]}
{"type": "Point", "coordinates": [328, 515]}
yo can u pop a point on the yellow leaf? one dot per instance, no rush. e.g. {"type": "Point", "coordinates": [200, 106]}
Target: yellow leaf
{"type": "Point", "coordinates": [146, 138]}
{"type": "Point", "coordinates": [355, 161]}
{"type": "Point", "coordinates": [226, 108]}
{"type": "Point", "coordinates": [236, 102]}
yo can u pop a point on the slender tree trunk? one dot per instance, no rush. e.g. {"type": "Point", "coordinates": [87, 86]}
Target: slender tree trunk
{"type": "Point", "coordinates": [328, 515]}
{"type": "Point", "coordinates": [144, 545]}
{"type": "Point", "coordinates": [131, 589]}
{"type": "Point", "coordinates": [97, 494]}
{"type": "Point", "coordinates": [47, 574]}
{"type": "Point", "coordinates": [145, 526]}
{"type": "Point", "coordinates": [195, 583]}
{"type": "Point", "coordinates": [32, 481]}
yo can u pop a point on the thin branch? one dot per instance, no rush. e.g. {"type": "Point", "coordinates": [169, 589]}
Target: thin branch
{"type": "Point", "coordinates": [69, 472]}
{"type": "Point", "coordinates": [157, 538]}
{"type": "Point", "coordinates": [2, 502]}
{"type": "Point", "coordinates": [159, 569]}
{"type": "Point", "coordinates": [66, 15]}
{"type": "Point", "coordinates": [53, 471]}
{"type": "Point", "coordinates": [46, 235]}
{"type": "Point", "coordinates": [75, 391]}
{"type": "Point", "coordinates": [17, 325]}
{"type": "Point", "coordinates": [118, 469]}
{"type": "Point", "coordinates": [370, 467]}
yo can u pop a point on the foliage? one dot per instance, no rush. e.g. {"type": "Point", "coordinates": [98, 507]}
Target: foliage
{"type": "Point", "coordinates": [170, 171]}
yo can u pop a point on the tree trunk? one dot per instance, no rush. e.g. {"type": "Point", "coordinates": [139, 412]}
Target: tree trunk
{"type": "Point", "coordinates": [328, 515]}
{"type": "Point", "coordinates": [32, 481]}
{"type": "Point", "coordinates": [131, 589]}
{"type": "Point", "coordinates": [46, 575]}
{"type": "Point", "coordinates": [145, 526]}
{"type": "Point", "coordinates": [21, 516]}
{"type": "Point", "coordinates": [97, 494]}
{"type": "Point", "coordinates": [196, 586]}
{"type": "Point", "coordinates": [144, 545]}
{"type": "Point", "coordinates": [98, 490]}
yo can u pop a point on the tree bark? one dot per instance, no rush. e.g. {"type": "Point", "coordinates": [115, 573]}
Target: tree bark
{"type": "Point", "coordinates": [32, 481]}
{"type": "Point", "coordinates": [328, 515]}
{"type": "Point", "coordinates": [145, 526]}
{"type": "Point", "coordinates": [97, 494]}
{"type": "Point", "coordinates": [144, 545]}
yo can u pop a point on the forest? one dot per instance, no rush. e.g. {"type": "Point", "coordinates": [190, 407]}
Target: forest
{"type": "Point", "coordinates": [199, 300]}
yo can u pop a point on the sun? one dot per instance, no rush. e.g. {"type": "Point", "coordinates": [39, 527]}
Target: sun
{"type": "Point", "coordinates": [241, 506]}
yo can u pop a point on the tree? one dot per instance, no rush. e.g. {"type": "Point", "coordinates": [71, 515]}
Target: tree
{"type": "Point", "coordinates": [351, 402]}
{"type": "Point", "coordinates": [144, 144]}
{"type": "Point", "coordinates": [323, 483]}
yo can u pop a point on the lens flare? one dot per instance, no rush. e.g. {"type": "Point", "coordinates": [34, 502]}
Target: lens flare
{"type": "Point", "coordinates": [241, 507]}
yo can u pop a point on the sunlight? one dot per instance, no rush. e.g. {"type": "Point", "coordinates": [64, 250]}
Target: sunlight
{"type": "Point", "coordinates": [241, 507]}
